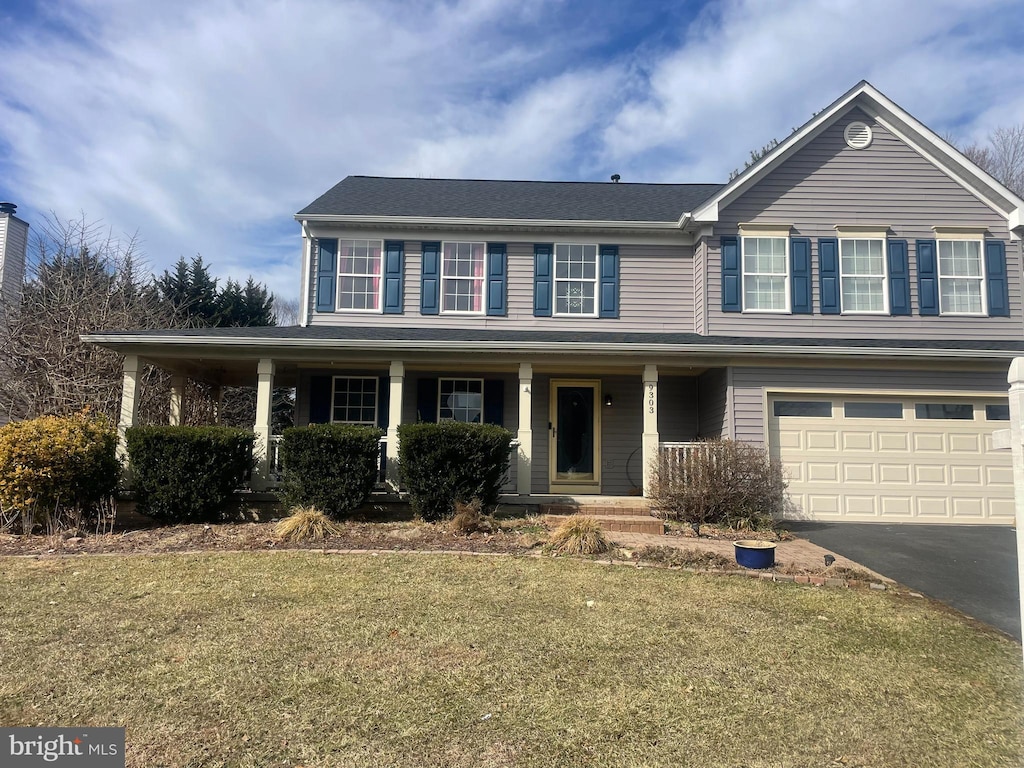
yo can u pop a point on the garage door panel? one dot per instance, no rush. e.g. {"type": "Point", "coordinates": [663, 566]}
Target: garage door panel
{"type": "Point", "coordinates": [964, 443]}
{"type": "Point", "coordinates": [858, 441]}
{"type": "Point", "coordinates": [933, 474]}
{"type": "Point", "coordinates": [895, 442]}
{"type": "Point", "coordinates": [896, 469]}
{"type": "Point", "coordinates": [859, 472]}
{"type": "Point", "coordinates": [894, 473]}
{"type": "Point", "coordinates": [929, 442]}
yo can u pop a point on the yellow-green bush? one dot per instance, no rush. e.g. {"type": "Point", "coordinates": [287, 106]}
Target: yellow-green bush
{"type": "Point", "coordinates": [56, 470]}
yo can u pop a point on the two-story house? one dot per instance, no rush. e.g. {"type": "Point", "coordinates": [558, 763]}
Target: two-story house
{"type": "Point", "coordinates": [852, 300]}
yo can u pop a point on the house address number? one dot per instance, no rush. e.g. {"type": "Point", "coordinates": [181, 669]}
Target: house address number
{"type": "Point", "coordinates": [651, 398]}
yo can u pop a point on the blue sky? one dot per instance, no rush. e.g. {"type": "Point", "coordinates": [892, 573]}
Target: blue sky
{"type": "Point", "coordinates": [204, 125]}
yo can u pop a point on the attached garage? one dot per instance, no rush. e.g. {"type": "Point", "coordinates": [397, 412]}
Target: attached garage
{"type": "Point", "coordinates": [893, 459]}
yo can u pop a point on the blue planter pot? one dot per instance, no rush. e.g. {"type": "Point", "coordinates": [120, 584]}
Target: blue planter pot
{"type": "Point", "coordinates": [755, 554]}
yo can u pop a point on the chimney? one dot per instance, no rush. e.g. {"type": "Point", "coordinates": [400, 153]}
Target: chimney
{"type": "Point", "coordinates": [10, 208]}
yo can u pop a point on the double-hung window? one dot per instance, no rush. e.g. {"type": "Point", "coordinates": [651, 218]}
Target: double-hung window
{"type": "Point", "coordinates": [765, 274]}
{"type": "Point", "coordinates": [359, 272]}
{"type": "Point", "coordinates": [862, 275]}
{"type": "Point", "coordinates": [461, 400]}
{"type": "Point", "coordinates": [575, 279]}
{"type": "Point", "coordinates": [961, 277]}
{"type": "Point", "coordinates": [462, 278]}
{"type": "Point", "coordinates": [354, 400]}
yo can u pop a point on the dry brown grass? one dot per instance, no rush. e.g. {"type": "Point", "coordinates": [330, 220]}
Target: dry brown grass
{"type": "Point", "coordinates": [307, 524]}
{"type": "Point", "coordinates": [299, 658]}
{"type": "Point", "coordinates": [579, 535]}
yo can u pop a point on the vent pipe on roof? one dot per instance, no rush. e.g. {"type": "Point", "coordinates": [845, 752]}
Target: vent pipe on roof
{"type": "Point", "coordinates": [10, 208]}
{"type": "Point", "coordinates": [616, 177]}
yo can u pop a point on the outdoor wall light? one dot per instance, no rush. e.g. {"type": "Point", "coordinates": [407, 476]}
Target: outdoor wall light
{"type": "Point", "coordinates": [608, 401]}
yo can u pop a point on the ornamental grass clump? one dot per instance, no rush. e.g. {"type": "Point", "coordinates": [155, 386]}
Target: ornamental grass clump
{"type": "Point", "coordinates": [579, 535]}
{"type": "Point", "coordinates": [306, 524]}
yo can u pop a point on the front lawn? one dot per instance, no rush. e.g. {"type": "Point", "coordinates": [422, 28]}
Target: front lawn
{"type": "Point", "coordinates": [298, 658]}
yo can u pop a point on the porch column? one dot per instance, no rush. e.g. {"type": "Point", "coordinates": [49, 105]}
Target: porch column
{"type": "Point", "coordinates": [649, 450]}
{"type": "Point", "coordinates": [262, 427]}
{"type": "Point", "coordinates": [129, 404]}
{"type": "Point", "coordinates": [524, 458]}
{"type": "Point", "coordinates": [397, 384]}
{"type": "Point", "coordinates": [177, 400]}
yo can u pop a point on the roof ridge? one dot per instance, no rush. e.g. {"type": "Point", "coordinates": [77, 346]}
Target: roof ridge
{"type": "Point", "coordinates": [545, 181]}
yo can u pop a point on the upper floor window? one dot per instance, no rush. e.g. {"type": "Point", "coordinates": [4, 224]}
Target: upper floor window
{"type": "Point", "coordinates": [575, 279]}
{"type": "Point", "coordinates": [766, 274]}
{"type": "Point", "coordinates": [355, 400]}
{"type": "Point", "coordinates": [462, 277]}
{"type": "Point", "coordinates": [961, 278]}
{"type": "Point", "coordinates": [359, 272]}
{"type": "Point", "coordinates": [862, 275]}
{"type": "Point", "coordinates": [461, 400]}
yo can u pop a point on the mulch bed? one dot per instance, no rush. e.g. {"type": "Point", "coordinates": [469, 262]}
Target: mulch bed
{"type": "Point", "coordinates": [260, 536]}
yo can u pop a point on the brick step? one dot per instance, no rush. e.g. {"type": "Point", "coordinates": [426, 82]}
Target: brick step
{"type": "Point", "coordinates": [601, 510]}
{"type": "Point", "coordinates": [622, 523]}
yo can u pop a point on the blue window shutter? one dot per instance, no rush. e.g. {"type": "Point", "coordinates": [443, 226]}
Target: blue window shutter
{"type": "Point", "coordinates": [800, 276]}
{"type": "Point", "coordinates": [899, 278]}
{"type": "Point", "coordinates": [393, 258]}
{"type": "Point", "coordinates": [383, 397]}
{"type": "Point", "coordinates": [494, 401]}
{"type": "Point", "coordinates": [828, 275]}
{"type": "Point", "coordinates": [995, 276]}
{"type": "Point", "coordinates": [608, 280]}
{"type": "Point", "coordinates": [543, 279]}
{"type": "Point", "coordinates": [426, 400]}
{"type": "Point", "coordinates": [731, 296]}
{"type": "Point", "coordinates": [927, 278]}
{"type": "Point", "coordinates": [497, 280]}
{"type": "Point", "coordinates": [320, 395]}
{"type": "Point", "coordinates": [430, 280]}
{"type": "Point", "coordinates": [326, 275]}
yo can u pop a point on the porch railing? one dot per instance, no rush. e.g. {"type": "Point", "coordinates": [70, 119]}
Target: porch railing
{"type": "Point", "coordinates": [682, 458]}
{"type": "Point", "coordinates": [274, 457]}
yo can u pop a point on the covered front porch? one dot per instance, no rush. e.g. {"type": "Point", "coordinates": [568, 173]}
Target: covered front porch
{"type": "Point", "coordinates": [582, 428]}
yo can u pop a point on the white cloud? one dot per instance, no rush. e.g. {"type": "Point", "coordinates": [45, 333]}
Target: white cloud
{"type": "Point", "coordinates": [204, 125]}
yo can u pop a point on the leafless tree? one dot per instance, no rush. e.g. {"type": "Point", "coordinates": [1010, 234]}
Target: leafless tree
{"type": "Point", "coordinates": [1002, 156]}
{"type": "Point", "coordinates": [286, 311]}
{"type": "Point", "coordinates": [79, 279]}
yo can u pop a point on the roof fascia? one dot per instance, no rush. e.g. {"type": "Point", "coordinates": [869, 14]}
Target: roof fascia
{"type": "Point", "coordinates": [459, 221]}
{"type": "Point", "coordinates": [139, 344]}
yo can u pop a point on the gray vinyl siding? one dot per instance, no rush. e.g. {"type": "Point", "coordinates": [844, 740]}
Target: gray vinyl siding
{"type": "Point", "coordinates": [713, 397]}
{"type": "Point", "coordinates": [889, 184]}
{"type": "Point", "coordinates": [677, 408]}
{"type": "Point", "coordinates": [750, 384]}
{"type": "Point", "coordinates": [656, 293]}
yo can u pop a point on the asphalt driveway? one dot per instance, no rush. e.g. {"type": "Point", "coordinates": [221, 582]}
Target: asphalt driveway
{"type": "Point", "coordinates": [973, 568]}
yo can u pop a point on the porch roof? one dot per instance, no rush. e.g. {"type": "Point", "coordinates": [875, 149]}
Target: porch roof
{"type": "Point", "coordinates": [288, 340]}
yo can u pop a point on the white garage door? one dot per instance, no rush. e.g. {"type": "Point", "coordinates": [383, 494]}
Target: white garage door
{"type": "Point", "coordinates": [893, 459]}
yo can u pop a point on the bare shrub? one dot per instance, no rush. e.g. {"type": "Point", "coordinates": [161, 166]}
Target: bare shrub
{"type": "Point", "coordinates": [469, 518]}
{"type": "Point", "coordinates": [723, 482]}
{"type": "Point", "coordinates": [579, 535]}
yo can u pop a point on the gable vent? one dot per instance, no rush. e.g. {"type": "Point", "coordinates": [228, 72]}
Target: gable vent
{"type": "Point", "coordinates": [858, 135]}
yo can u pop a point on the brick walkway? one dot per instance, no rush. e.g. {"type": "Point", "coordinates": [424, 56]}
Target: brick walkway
{"type": "Point", "coordinates": [798, 552]}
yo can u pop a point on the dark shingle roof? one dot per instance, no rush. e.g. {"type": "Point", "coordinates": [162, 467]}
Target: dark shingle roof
{"type": "Point", "coordinates": [497, 337]}
{"type": "Point", "coordinates": [475, 199]}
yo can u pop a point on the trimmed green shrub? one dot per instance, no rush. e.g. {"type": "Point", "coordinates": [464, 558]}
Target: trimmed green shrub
{"type": "Point", "coordinates": [187, 474]}
{"type": "Point", "coordinates": [332, 467]}
{"type": "Point", "coordinates": [719, 482]}
{"type": "Point", "coordinates": [450, 462]}
{"type": "Point", "coordinates": [56, 471]}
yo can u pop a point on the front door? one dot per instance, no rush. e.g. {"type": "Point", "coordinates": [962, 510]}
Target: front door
{"type": "Point", "coordinates": [575, 445]}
